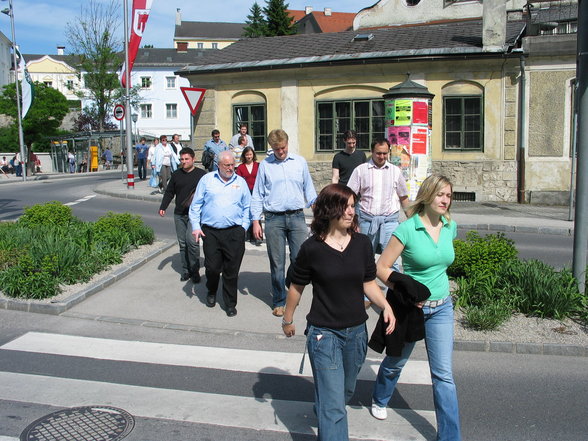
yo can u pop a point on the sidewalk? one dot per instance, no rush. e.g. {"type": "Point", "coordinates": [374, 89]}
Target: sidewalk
{"type": "Point", "coordinates": [481, 216]}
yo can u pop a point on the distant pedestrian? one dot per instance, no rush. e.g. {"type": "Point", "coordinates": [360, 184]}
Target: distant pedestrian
{"type": "Point", "coordinates": [283, 188]}
{"type": "Point", "coordinates": [425, 242]}
{"type": "Point", "coordinates": [211, 150]}
{"type": "Point", "coordinates": [248, 171]}
{"type": "Point", "coordinates": [220, 215]}
{"type": "Point", "coordinates": [71, 160]}
{"type": "Point", "coordinates": [107, 156]}
{"type": "Point", "coordinates": [347, 160]}
{"type": "Point", "coordinates": [182, 185]}
{"type": "Point", "coordinates": [243, 128]}
{"type": "Point", "coordinates": [166, 162]}
{"type": "Point", "coordinates": [153, 180]}
{"type": "Point", "coordinates": [142, 151]}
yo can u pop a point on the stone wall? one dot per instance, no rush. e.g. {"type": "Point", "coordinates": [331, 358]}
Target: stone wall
{"type": "Point", "coordinates": [489, 180]}
{"type": "Point", "coordinates": [321, 173]}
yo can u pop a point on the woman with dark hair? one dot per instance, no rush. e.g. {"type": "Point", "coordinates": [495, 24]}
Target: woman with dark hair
{"type": "Point", "coordinates": [248, 171]}
{"type": "Point", "coordinates": [425, 241]}
{"type": "Point", "coordinates": [339, 262]}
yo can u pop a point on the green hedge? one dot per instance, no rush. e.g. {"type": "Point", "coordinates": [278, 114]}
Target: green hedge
{"type": "Point", "coordinates": [492, 283]}
{"type": "Point", "coordinates": [48, 247]}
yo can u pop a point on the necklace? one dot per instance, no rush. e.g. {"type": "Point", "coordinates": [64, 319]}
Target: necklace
{"type": "Point", "coordinates": [341, 245]}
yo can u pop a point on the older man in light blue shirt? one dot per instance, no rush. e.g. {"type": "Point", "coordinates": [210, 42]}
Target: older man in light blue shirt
{"type": "Point", "coordinates": [219, 213]}
{"type": "Point", "coordinates": [282, 189]}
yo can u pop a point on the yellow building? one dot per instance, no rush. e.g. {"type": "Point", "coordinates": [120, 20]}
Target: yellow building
{"type": "Point", "coordinates": [317, 86]}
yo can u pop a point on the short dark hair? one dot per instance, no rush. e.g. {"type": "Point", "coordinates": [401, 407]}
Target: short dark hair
{"type": "Point", "coordinates": [162, 137]}
{"type": "Point", "coordinates": [215, 132]}
{"type": "Point", "coordinates": [143, 139]}
{"type": "Point", "coordinates": [187, 151]}
{"type": "Point", "coordinates": [348, 134]}
{"type": "Point", "coordinates": [246, 150]}
{"type": "Point", "coordinates": [330, 205]}
{"type": "Point", "coordinates": [244, 125]}
{"type": "Point", "coordinates": [379, 141]}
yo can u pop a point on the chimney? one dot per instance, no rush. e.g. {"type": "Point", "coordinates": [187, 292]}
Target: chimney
{"type": "Point", "coordinates": [307, 10]}
{"type": "Point", "coordinates": [178, 17]}
{"type": "Point", "coordinates": [328, 12]}
{"type": "Point", "coordinates": [493, 25]}
{"type": "Point", "coordinates": [182, 46]}
{"type": "Point", "coordinates": [60, 50]}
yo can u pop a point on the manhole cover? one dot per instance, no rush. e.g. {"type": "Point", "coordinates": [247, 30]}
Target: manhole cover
{"type": "Point", "coordinates": [96, 423]}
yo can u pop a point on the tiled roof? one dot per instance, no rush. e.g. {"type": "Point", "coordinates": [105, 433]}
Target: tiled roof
{"type": "Point", "coordinates": [446, 38]}
{"type": "Point", "coordinates": [206, 29]}
{"type": "Point", "coordinates": [336, 22]}
{"type": "Point", "coordinates": [169, 57]}
{"type": "Point", "coordinates": [68, 59]}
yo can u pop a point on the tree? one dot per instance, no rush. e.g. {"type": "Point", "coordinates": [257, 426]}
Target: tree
{"type": "Point", "coordinates": [42, 120]}
{"type": "Point", "coordinates": [256, 24]}
{"type": "Point", "coordinates": [92, 39]}
{"type": "Point", "coordinates": [279, 22]}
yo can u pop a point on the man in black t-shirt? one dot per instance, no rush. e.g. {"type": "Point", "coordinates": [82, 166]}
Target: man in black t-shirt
{"type": "Point", "coordinates": [182, 185]}
{"type": "Point", "coordinates": [345, 161]}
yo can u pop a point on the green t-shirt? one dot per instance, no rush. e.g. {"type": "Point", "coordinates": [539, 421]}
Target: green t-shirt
{"type": "Point", "coordinates": [425, 260]}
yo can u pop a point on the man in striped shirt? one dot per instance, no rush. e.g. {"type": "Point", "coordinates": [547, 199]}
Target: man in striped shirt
{"type": "Point", "coordinates": [382, 192]}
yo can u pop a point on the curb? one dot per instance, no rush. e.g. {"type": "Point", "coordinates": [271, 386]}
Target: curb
{"type": "Point", "coordinates": [555, 231]}
{"type": "Point", "coordinates": [58, 307]}
{"type": "Point", "coordinates": [130, 195]}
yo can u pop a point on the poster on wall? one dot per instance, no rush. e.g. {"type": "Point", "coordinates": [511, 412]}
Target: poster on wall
{"type": "Point", "coordinates": [419, 140]}
{"type": "Point", "coordinates": [402, 112]}
{"type": "Point", "coordinates": [420, 112]}
{"type": "Point", "coordinates": [390, 113]}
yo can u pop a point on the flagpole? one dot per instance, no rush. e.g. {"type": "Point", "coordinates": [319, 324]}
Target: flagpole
{"type": "Point", "coordinates": [18, 114]}
{"type": "Point", "coordinates": [130, 169]}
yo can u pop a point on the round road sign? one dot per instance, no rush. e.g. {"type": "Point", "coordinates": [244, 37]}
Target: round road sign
{"type": "Point", "coordinates": [119, 112]}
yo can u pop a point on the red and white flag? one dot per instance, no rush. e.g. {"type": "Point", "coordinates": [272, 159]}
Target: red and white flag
{"type": "Point", "coordinates": [141, 9]}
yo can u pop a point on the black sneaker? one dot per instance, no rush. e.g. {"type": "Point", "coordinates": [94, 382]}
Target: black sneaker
{"type": "Point", "coordinates": [196, 277]}
{"type": "Point", "coordinates": [211, 300]}
{"type": "Point", "coordinates": [184, 277]}
{"type": "Point", "coordinates": [231, 312]}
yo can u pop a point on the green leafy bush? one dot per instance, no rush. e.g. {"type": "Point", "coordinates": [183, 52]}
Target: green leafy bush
{"type": "Point", "coordinates": [52, 213]}
{"type": "Point", "coordinates": [541, 290]}
{"type": "Point", "coordinates": [48, 246]}
{"type": "Point", "coordinates": [479, 254]}
{"type": "Point", "coordinates": [123, 230]}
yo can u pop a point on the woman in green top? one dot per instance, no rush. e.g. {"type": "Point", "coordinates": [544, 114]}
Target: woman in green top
{"type": "Point", "coordinates": [425, 242]}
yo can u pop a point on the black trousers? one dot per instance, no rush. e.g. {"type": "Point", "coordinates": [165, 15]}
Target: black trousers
{"type": "Point", "coordinates": [223, 253]}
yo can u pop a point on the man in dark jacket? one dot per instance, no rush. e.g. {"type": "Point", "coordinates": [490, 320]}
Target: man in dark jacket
{"type": "Point", "coordinates": [182, 185]}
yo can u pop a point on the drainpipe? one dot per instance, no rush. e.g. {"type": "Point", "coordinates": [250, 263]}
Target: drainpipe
{"type": "Point", "coordinates": [521, 134]}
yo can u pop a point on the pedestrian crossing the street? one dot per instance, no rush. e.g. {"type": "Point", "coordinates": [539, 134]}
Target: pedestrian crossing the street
{"type": "Point", "coordinates": [260, 390]}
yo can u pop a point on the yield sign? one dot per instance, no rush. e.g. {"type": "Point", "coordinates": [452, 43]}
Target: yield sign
{"type": "Point", "coordinates": [193, 97]}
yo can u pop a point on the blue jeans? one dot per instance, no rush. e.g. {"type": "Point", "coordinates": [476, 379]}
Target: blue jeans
{"type": "Point", "coordinates": [336, 357]}
{"type": "Point", "coordinates": [378, 244]}
{"type": "Point", "coordinates": [142, 168]}
{"type": "Point", "coordinates": [280, 228]}
{"type": "Point", "coordinates": [189, 248]}
{"type": "Point", "coordinates": [439, 343]}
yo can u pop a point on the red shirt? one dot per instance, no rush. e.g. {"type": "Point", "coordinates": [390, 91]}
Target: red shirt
{"type": "Point", "coordinates": [249, 177]}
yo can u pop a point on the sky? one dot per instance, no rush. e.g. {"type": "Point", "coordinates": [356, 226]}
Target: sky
{"type": "Point", "coordinates": [40, 24]}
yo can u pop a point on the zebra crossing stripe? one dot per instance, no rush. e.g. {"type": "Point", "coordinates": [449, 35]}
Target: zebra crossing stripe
{"type": "Point", "coordinates": [415, 372]}
{"type": "Point", "coordinates": [263, 414]}
{"type": "Point", "coordinates": [77, 201]}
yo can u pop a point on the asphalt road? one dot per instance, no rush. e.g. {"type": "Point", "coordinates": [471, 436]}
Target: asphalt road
{"type": "Point", "coordinates": [502, 396]}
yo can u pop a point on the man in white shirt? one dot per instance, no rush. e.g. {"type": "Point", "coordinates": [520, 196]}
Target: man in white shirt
{"type": "Point", "coordinates": [242, 132]}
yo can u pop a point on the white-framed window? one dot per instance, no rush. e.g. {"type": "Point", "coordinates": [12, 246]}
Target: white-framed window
{"type": "Point", "coordinates": [145, 82]}
{"type": "Point", "coordinates": [48, 83]}
{"type": "Point", "coordinates": [200, 45]}
{"type": "Point", "coordinates": [215, 45]}
{"type": "Point", "coordinates": [171, 110]}
{"type": "Point", "coordinates": [170, 82]}
{"type": "Point", "coordinates": [146, 111]}
{"type": "Point", "coordinates": [69, 84]}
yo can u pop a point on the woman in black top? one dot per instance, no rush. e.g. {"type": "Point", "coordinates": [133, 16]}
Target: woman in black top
{"type": "Point", "coordinates": [340, 265]}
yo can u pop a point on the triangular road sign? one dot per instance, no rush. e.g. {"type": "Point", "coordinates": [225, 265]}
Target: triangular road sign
{"type": "Point", "coordinates": [193, 97]}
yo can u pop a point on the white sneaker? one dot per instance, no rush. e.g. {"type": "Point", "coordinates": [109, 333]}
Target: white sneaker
{"type": "Point", "coordinates": [379, 413]}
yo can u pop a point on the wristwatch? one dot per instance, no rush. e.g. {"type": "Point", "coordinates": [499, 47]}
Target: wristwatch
{"type": "Point", "coordinates": [285, 323]}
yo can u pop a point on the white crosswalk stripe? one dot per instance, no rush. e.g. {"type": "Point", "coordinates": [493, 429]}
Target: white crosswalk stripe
{"type": "Point", "coordinates": [248, 412]}
{"type": "Point", "coordinates": [84, 199]}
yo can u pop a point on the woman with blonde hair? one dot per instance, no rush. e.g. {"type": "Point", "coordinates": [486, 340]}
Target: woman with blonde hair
{"type": "Point", "coordinates": [425, 242]}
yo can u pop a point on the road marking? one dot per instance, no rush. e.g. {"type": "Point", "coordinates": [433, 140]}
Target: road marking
{"type": "Point", "coordinates": [84, 199]}
{"type": "Point", "coordinates": [206, 408]}
{"type": "Point", "coordinates": [415, 371]}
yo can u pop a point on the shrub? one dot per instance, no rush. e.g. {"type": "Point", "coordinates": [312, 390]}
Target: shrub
{"type": "Point", "coordinates": [52, 213]}
{"type": "Point", "coordinates": [480, 254]}
{"type": "Point", "coordinates": [123, 230]}
{"type": "Point", "coordinates": [541, 290]}
{"type": "Point", "coordinates": [25, 279]}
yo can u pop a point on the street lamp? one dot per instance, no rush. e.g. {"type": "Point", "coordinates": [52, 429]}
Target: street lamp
{"type": "Point", "coordinates": [135, 117]}
{"type": "Point", "coordinates": [10, 12]}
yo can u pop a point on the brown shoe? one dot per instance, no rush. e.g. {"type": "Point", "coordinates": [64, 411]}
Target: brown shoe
{"type": "Point", "coordinates": [278, 311]}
